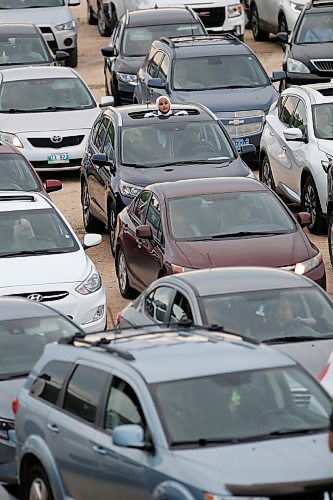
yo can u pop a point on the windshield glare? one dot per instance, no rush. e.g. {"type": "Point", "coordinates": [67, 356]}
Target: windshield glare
{"type": "Point", "coordinates": [218, 72]}
{"type": "Point", "coordinates": [35, 231]}
{"type": "Point", "coordinates": [164, 142]}
{"type": "Point", "coordinates": [45, 94]}
{"type": "Point", "coordinates": [241, 405]}
{"type": "Point", "coordinates": [323, 120]}
{"type": "Point", "coordinates": [15, 174]}
{"type": "Point", "coordinates": [316, 28]}
{"type": "Point", "coordinates": [22, 341]}
{"type": "Point", "coordinates": [268, 314]}
{"type": "Point", "coordinates": [30, 4]}
{"type": "Point", "coordinates": [227, 214]}
{"type": "Point", "coordinates": [22, 50]}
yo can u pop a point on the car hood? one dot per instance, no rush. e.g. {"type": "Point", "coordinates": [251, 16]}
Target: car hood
{"type": "Point", "coordinates": [129, 65]}
{"type": "Point", "coordinates": [275, 251]}
{"type": "Point", "coordinates": [48, 121]}
{"type": "Point", "coordinates": [43, 270]}
{"type": "Point", "coordinates": [230, 100]}
{"type": "Point", "coordinates": [42, 17]}
{"type": "Point", "coordinates": [9, 389]}
{"type": "Point", "coordinates": [308, 51]}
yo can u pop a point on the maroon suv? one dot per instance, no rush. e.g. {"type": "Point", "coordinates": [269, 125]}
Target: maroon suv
{"type": "Point", "coordinates": [200, 223]}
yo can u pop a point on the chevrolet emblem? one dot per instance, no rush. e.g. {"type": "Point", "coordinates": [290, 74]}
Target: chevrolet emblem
{"type": "Point", "coordinates": [236, 122]}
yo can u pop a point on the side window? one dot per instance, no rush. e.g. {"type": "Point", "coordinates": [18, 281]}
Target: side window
{"type": "Point", "coordinates": [288, 110]}
{"type": "Point", "coordinates": [300, 117]}
{"type": "Point", "coordinates": [84, 391]}
{"type": "Point", "coordinates": [141, 205]}
{"type": "Point", "coordinates": [94, 131]}
{"type": "Point", "coordinates": [157, 303]}
{"type": "Point", "coordinates": [123, 406]}
{"type": "Point", "coordinates": [281, 101]}
{"type": "Point", "coordinates": [100, 136]}
{"type": "Point", "coordinates": [154, 64]}
{"type": "Point", "coordinates": [181, 309]}
{"type": "Point", "coordinates": [154, 217]}
{"type": "Point", "coordinates": [108, 146]}
{"type": "Point", "coordinates": [164, 69]}
{"type": "Point", "coordinates": [49, 383]}
{"type": "Point", "coordinates": [115, 35]}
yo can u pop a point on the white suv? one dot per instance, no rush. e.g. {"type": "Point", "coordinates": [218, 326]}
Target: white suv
{"type": "Point", "coordinates": [42, 259]}
{"type": "Point", "coordinates": [54, 19]}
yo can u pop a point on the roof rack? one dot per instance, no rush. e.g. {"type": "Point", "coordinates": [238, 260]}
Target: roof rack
{"type": "Point", "coordinates": [172, 42]}
{"type": "Point", "coordinates": [17, 197]}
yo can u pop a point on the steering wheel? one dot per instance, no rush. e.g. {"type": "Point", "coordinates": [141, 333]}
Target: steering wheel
{"type": "Point", "coordinates": [242, 80]}
{"type": "Point", "coordinates": [205, 146]}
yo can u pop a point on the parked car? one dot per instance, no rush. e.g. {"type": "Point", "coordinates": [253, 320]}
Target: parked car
{"type": "Point", "coordinates": [53, 17]}
{"type": "Point", "coordinates": [205, 70]}
{"type": "Point", "coordinates": [46, 112]}
{"type": "Point", "coordinates": [113, 417]}
{"type": "Point", "coordinates": [17, 174]}
{"type": "Point", "coordinates": [131, 146]}
{"type": "Point", "coordinates": [131, 40]}
{"type": "Point", "coordinates": [41, 258]}
{"type": "Point", "coordinates": [24, 45]}
{"type": "Point", "coordinates": [201, 223]}
{"type": "Point", "coordinates": [25, 329]}
{"type": "Point", "coordinates": [308, 57]}
{"type": "Point", "coordinates": [273, 16]}
{"type": "Point", "coordinates": [296, 149]}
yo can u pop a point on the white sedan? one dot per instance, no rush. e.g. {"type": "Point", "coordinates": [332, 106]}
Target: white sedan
{"type": "Point", "coordinates": [297, 147]}
{"type": "Point", "coordinates": [46, 112]}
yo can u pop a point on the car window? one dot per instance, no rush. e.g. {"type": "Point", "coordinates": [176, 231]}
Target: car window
{"type": "Point", "coordinates": [94, 131]}
{"type": "Point", "coordinates": [154, 217]}
{"type": "Point", "coordinates": [15, 172]}
{"type": "Point", "coordinates": [323, 120]}
{"type": "Point", "coordinates": [288, 110]}
{"type": "Point", "coordinates": [115, 35]}
{"type": "Point", "coordinates": [26, 4]}
{"type": "Point", "coordinates": [154, 64]}
{"type": "Point", "coordinates": [50, 381]}
{"type": "Point", "coordinates": [83, 392]}
{"type": "Point", "coordinates": [157, 303]}
{"type": "Point", "coordinates": [141, 205]}
{"type": "Point", "coordinates": [181, 309]}
{"type": "Point", "coordinates": [108, 146]}
{"type": "Point", "coordinates": [281, 101]}
{"type": "Point", "coordinates": [100, 136]}
{"type": "Point", "coordinates": [300, 120]}
{"type": "Point", "coordinates": [316, 28]}
{"type": "Point", "coordinates": [23, 50]}
{"type": "Point", "coordinates": [123, 406]}
{"type": "Point", "coordinates": [164, 69]}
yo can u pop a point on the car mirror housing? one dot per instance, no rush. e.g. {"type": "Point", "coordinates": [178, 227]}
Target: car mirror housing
{"type": "Point", "coordinates": [278, 76]}
{"type": "Point", "coordinates": [156, 83]}
{"type": "Point", "coordinates": [144, 232]}
{"type": "Point", "coordinates": [282, 37]}
{"type": "Point", "coordinates": [106, 100]}
{"type": "Point", "coordinates": [109, 51]}
{"type": "Point", "coordinates": [61, 55]}
{"type": "Point", "coordinates": [52, 185]}
{"type": "Point", "coordinates": [248, 149]}
{"type": "Point", "coordinates": [293, 134]}
{"type": "Point", "coordinates": [303, 218]}
{"type": "Point", "coordinates": [129, 436]}
{"type": "Point", "coordinates": [91, 240]}
{"type": "Point", "coordinates": [101, 159]}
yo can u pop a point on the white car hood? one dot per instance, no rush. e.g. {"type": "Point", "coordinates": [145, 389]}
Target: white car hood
{"type": "Point", "coordinates": [43, 270]}
{"type": "Point", "coordinates": [54, 121]}
{"type": "Point", "coordinates": [49, 16]}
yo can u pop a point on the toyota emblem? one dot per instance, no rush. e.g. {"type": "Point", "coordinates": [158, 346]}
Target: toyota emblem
{"type": "Point", "coordinates": [36, 297]}
{"type": "Point", "coordinates": [56, 139]}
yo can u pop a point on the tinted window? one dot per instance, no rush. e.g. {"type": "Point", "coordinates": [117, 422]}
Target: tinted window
{"type": "Point", "coordinates": [27, 4]}
{"type": "Point", "coordinates": [94, 131]}
{"type": "Point", "coordinates": [288, 110]}
{"type": "Point", "coordinates": [316, 28]}
{"type": "Point", "coordinates": [49, 383]}
{"type": "Point", "coordinates": [154, 64]}
{"type": "Point", "coordinates": [141, 205]}
{"type": "Point", "coordinates": [157, 303]}
{"type": "Point", "coordinates": [164, 69]}
{"type": "Point", "coordinates": [84, 391]}
{"type": "Point", "coordinates": [15, 173]}
{"type": "Point", "coordinates": [123, 406]}
{"type": "Point", "coordinates": [108, 146]}
{"type": "Point", "coordinates": [181, 309]}
{"type": "Point", "coordinates": [323, 120]}
{"type": "Point", "coordinates": [299, 120]}
{"type": "Point", "coordinates": [100, 136]}
{"type": "Point", "coordinates": [154, 217]}
{"type": "Point", "coordinates": [22, 50]}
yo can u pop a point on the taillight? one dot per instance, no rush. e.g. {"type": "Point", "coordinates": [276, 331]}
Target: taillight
{"type": "Point", "coordinates": [323, 372]}
{"type": "Point", "coordinates": [15, 405]}
{"type": "Point", "coordinates": [118, 319]}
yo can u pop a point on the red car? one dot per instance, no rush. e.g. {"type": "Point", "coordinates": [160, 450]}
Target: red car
{"type": "Point", "coordinates": [200, 223]}
{"type": "Point", "coordinates": [17, 174]}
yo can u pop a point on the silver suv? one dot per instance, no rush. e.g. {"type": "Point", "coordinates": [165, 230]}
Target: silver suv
{"type": "Point", "coordinates": [184, 414]}
{"type": "Point", "coordinates": [54, 19]}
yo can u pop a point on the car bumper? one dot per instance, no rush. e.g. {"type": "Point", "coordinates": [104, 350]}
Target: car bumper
{"type": "Point", "coordinates": [306, 78]}
{"type": "Point", "coordinates": [59, 40]}
{"type": "Point", "coordinates": [126, 92]}
{"type": "Point", "coordinates": [234, 25]}
{"type": "Point", "coordinates": [7, 462]}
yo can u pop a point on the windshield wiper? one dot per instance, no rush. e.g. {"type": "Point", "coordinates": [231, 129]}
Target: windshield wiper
{"type": "Point", "coordinates": [32, 252]}
{"type": "Point", "coordinates": [204, 441]}
{"type": "Point", "coordinates": [288, 432]}
{"type": "Point", "coordinates": [191, 162]}
{"type": "Point", "coordinates": [11, 376]}
{"type": "Point", "coordinates": [290, 338]}
{"type": "Point", "coordinates": [243, 233]}
{"type": "Point", "coordinates": [15, 110]}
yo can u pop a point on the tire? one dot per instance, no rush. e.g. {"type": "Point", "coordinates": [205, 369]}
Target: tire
{"type": "Point", "coordinates": [112, 220]}
{"type": "Point", "coordinates": [283, 26]}
{"type": "Point", "coordinates": [266, 174]}
{"type": "Point", "coordinates": [91, 224]}
{"type": "Point", "coordinates": [91, 18]}
{"type": "Point", "coordinates": [121, 269]}
{"type": "Point", "coordinates": [103, 24]}
{"type": "Point", "coordinates": [311, 204]}
{"type": "Point", "coordinates": [71, 61]}
{"type": "Point", "coordinates": [258, 34]}
{"type": "Point", "coordinates": [330, 237]}
{"type": "Point", "coordinates": [37, 486]}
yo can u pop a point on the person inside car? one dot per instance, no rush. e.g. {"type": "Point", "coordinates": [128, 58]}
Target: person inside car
{"type": "Point", "coordinates": [322, 31]}
{"type": "Point", "coordinates": [26, 53]}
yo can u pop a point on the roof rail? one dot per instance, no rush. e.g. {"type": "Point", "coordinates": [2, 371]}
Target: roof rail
{"type": "Point", "coordinates": [322, 2]}
{"type": "Point", "coordinates": [17, 197]}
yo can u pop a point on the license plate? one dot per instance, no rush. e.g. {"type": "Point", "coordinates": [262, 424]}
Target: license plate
{"type": "Point", "coordinates": [241, 142]}
{"type": "Point", "coordinates": [58, 158]}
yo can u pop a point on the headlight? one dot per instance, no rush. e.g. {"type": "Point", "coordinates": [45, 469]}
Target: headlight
{"type": "Point", "coordinates": [296, 7]}
{"type": "Point", "coordinates": [130, 190]}
{"type": "Point", "coordinates": [235, 10]}
{"type": "Point", "coordinates": [326, 164]}
{"type": "Point", "coordinates": [70, 25]}
{"type": "Point", "coordinates": [11, 139]}
{"type": "Point", "coordinates": [6, 429]}
{"type": "Point", "coordinates": [91, 284]}
{"type": "Point", "coordinates": [180, 269]}
{"type": "Point", "coordinates": [294, 66]}
{"type": "Point", "coordinates": [308, 265]}
{"type": "Point", "coordinates": [127, 78]}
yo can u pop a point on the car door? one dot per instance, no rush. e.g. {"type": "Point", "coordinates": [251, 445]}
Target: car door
{"type": "Point", "coordinates": [104, 171]}
{"type": "Point", "coordinates": [150, 71]}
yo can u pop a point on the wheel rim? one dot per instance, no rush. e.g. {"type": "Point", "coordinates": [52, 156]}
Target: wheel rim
{"type": "Point", "coordinates": [122, 271]}
{"type": "Point", "coordinates": [310, 202]}
{"type": "Point", "coordinates": [85, 204]}
{"type": "Point", "coordinates": [283, 25]}
{"type": "Point", "coordinates": [255, 22]}
{"type": "Point", "coordinates": [38, 490]}
{"type": "Point", "coordinates": [112, 226]}
{"type": "Point", "coordinates": [101, 22]}
{"type": "Point", "coordinates": [267, 176]}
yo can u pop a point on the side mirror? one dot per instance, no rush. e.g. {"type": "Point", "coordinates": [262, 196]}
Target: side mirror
{"type": "Point", "coordinates": [101, 159]}
{"type": "Point", "coordinates": [303, 218]}
{"type": "Point", "coordinates": [282, 37]}
{"type": "Point", "coordinates": [52, 185]}
{"type": "Point", "coordinates": [109, 51]}
{"type": "Point", "coordinates": [61, 55]}
{"type": "Point", "coordinates": [73, 3]}
{"type": "Point", "coordinates": [278, 76]}
{"type": "Point", "coordinates": [247, 149]}
{"type": "Point", "coordinates": [156, 83]}
{"type": "Point", "coordinates": [129, 436]}
{"type": "Point", "coordinates": [106, 100]}
{"type": "Point", "coordinates": [91, 240]}
{"type": "Point", "coordinates": [144, 232]}
{"type": "Point", "coordinates": [293, 134]}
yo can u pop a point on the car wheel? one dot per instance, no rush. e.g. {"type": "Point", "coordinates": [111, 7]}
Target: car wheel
{"type": "Point", "coordinates": [330, 237]}
{"type": "Point", "coordinates": [258, 34]}
{"type": "Point", "coordinates": [311, 204]}
{"type": "Point", "coordinates": [91, 224]}
{"type": "Point", "coordinates": [121, 268]}
{"type": "Point", "coordinates": [103, 25]}
{"type": "Point", "coordinates": [283, 26]}
{"type": "Point", "coordinates": [37, 486]}
{"type": "Point", "coordinates": [112, 220]}
{"type": "Point", "coordinates": [90, 15]}
{"type": "Point", "coordinates": [71, 60]}
{"type": "Point", "coordinates": [266, 174]}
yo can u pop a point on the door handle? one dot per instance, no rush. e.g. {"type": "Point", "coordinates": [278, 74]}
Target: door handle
{"type": "Point", "coordinates": [99, 449]}
{"type": "Point", "coordinates": [284, 148]}
{"type": "Point", "coordinates": [53, 428]}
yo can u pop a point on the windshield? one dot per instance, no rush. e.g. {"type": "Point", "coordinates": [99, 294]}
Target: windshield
{"type": "Point", "coordinates": [218, 72]}
{"type": "Point", "coordinates": [323, 120]}
{"type": "Point", "coordinates": [22, 341]}
{"type": "Point", "coordinates": [30, 4]}
{"type": "Point", "coordinates": [164, 142]}
{"type": "Point", "coordinates": [49, 94]}
{"type": "Point", "coordinates": [272, 314]}
{"type": "Point", "coordinates": [15, 174]}
{"type": "Point", "coordinates": [316, 28]}
{"type": "Point", "coordinates": [137, 40]}
{"type": "Point", "coordinates": [248, 405]}
{"type": "Point", "coordinates": [22, 50]}
{"type": "Point", "coordinates": [227, 215]}
{"type": "Point", "coordinates": [34, 231]}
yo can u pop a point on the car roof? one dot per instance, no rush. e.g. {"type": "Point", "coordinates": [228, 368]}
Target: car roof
{"type": "Point", "coordinates": [15, 29]}
{"type": "Point", "coordinates": [203, 45]}
{"type": "Point", "coordinates": [22, 200]}
{"type": "Point", "coordinates": [217, 281]}
{"type": "Point", "coordinates": [319, 93]}
{"type": "Point", "coordinates": [35, 72]}
{"type": "Point", "coordinates": [195, 187]}
{"type": "Point", "coordinates": [156, 16]}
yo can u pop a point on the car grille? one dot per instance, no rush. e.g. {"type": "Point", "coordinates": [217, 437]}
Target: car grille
{"type": "Point", "coordinates": [46, 142]}
{"type": "Point", "coordinates": [43, 296]}
{"type": "Point", "coordinates": [323, 64]}
{"type": "Point", "coordinates": [211, 17]}
{"type": "Point", "coordinates": [243, 123]}
{"type": "Point", "coordinates": [51, 43]}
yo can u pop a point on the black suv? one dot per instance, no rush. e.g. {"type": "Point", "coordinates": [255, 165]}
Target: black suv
{"type": "Point", "coordinates": [309, 49]}
{"type": "Point", "coordinates": [219, 72]}
{"type": "Point", "coordinates": [132, 37]}
{"type": "Point", "coordinates": [130, 147]}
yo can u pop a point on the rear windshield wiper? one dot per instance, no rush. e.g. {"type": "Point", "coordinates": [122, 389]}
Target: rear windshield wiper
{"type": "Point", "coordinates": [291, 338]}
{"type": "Point", "coordinates": [243, 233]}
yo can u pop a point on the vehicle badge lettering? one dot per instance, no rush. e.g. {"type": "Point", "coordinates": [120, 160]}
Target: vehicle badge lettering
{"type": "Point", "coordinates": [35, 297]}
{"type": "Point", "coordinates": [56, 139]}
